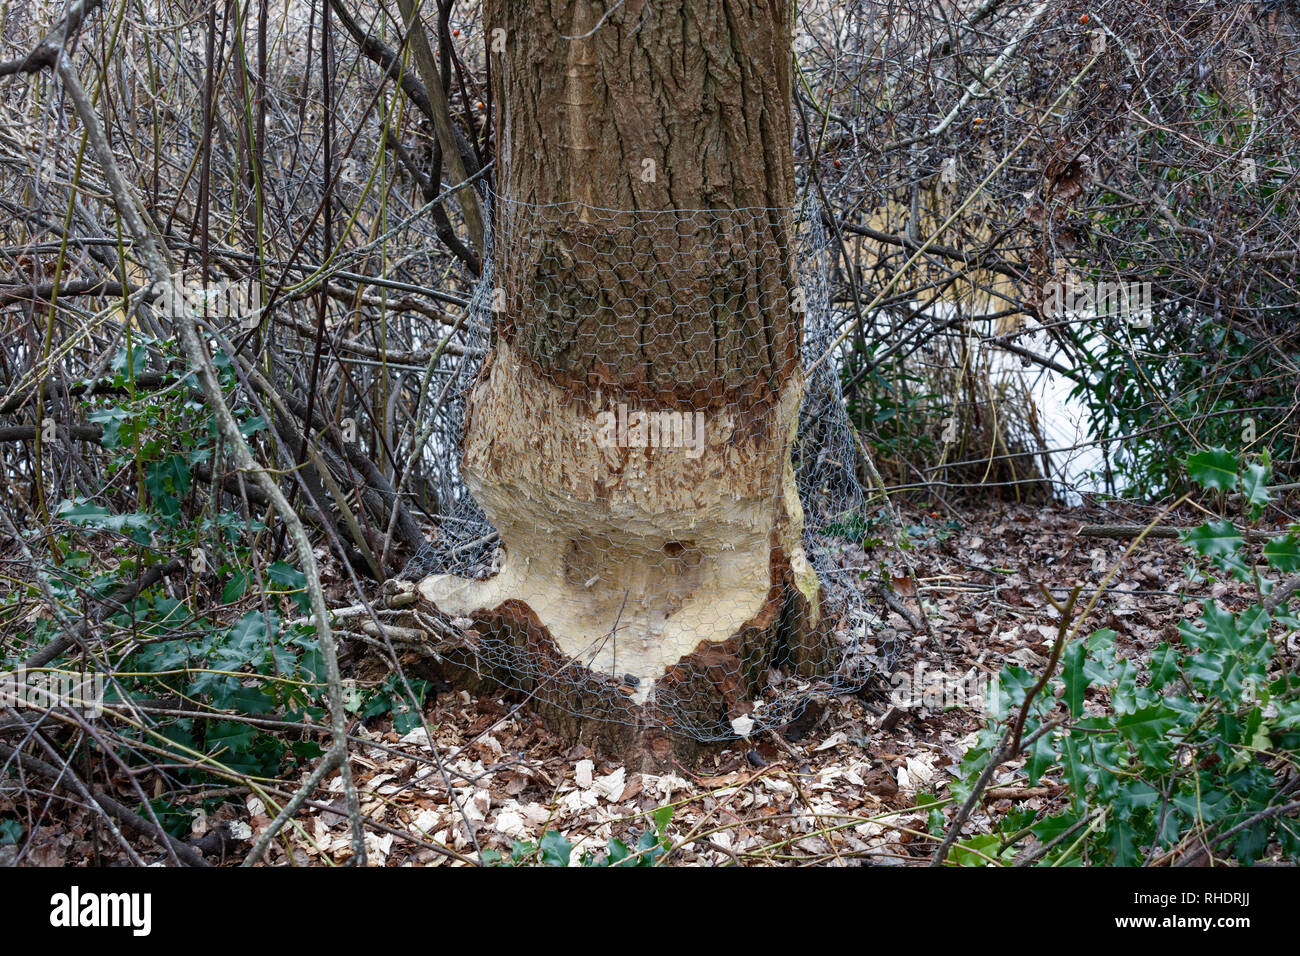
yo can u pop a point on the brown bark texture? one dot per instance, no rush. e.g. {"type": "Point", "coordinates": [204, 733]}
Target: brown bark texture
{"type": "Point", "coordinates": [629, 435]}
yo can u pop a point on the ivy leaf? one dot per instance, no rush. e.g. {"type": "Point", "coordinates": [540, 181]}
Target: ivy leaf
{"type": "Point", "coordinates": [111, 421]}
{"type": "Point", "coordinates": [11, 831]}
{"type": "Point", "coordinates": [290, 578]}
{"type": "Point", "coordinates": [81, 512]}
{"type": "Point", "coordinates": [662, 817]}
{"type": "Point", "coordinates": [1214, 468]}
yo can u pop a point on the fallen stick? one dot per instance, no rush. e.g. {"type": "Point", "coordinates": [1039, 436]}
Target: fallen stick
{"type": "Point", "coordinates": [1019, 793]}
{"type": "Point", "coordinates": [1133, 530]}
{"type": "Point", "coordinates": [113, 602]}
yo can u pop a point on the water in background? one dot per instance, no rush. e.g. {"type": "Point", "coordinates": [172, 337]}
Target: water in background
{"type": "Point", "coordinates": [1078, 462]}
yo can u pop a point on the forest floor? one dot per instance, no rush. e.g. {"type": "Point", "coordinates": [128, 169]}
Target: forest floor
{"type": "Point", "coordinates": [843, 785]}
{"type": "Point", "coordinates": [840, 787]}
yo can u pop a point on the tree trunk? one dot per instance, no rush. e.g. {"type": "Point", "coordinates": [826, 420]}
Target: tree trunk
{"type": "Point", "coordinates": [629, 436]}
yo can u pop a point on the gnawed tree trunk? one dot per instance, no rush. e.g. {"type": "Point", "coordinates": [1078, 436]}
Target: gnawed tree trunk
{"type": "Point", "coordinates": [629, 436]}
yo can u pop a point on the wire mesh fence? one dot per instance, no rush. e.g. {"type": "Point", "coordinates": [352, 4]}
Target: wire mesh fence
{"type": "Point", "coordinates": [688, 304]}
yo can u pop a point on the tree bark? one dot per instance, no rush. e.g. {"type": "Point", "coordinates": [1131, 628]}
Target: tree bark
{"type": "Point", "coordinates": [629, 436]}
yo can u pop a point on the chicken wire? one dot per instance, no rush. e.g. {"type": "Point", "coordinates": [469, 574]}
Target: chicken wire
{"type": "Point", "coordinates": [678, 262]}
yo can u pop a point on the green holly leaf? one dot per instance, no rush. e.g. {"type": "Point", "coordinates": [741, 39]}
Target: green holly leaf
{"type": "Point", "coordinates": [1049, 829]}
{"type": "Point", "coordinates": [306, 749]}
{"type": "Point", "coordinates": [248, 700]}
{"type": "Point", "coordinates": [556, 850]}
{"type": "Point", "coordinates": [1134, 795]}
{"type": "Point", "coordinates": [1214, 468]}
{"type": "Point", "coordinates": [1099, 665]}
{"type": "Point", "coordinates": [1214, 538]}
{"type": "Point", "coordinates": [1252, 843]}
{"type": "Point", "coordinates": [1119, 838]}
{"type": "Point", "coordinates": [1147, 722]}
{"type": "Point", "coordinates": [252, 426]}
{"type": "Point", "coordinates": [1254, 485]}
{"type": "Point", "coordinates": [234, 589]}
{"type": "Point", "coordinates": [231, 742]}
{"type": "Point", "coordinates": [131, 362]}
{"type": "Point", "coordinates": [405, 719]}
{"type": "Point", "coordinates": [1208, 806]}
{"type": "Point", "coordinates": [934, 817]}
{"type": "Point", "coordinates": [1076, 682]}
{"type": "Point", "coordinates": [650, 848]}
{"type": "Point", "coordinates": [618, 852]}
{"type": "Point", "coordinates": [1163, 666]}
{"type": "Point", "coordinates": [1283, 552]}
{"type": "Point", "coordinates": [167, 481]}
{"type": "Point", "coordinates": [248, 641]}
{"type": "Point", "coordinates": [978, 850]}
{"type": "Point", "coordinates": [1077, 772]}
{"type": "Point", "coordinates": [1041, 756]}
{"type": "Point", "coordinates": [1124, 697]}
{"type": "Point", "coordinates": [1221, 626]}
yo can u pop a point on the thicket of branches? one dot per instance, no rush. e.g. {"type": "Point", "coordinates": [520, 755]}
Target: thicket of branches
{"type": "Point", "coordinates": [156, 464]}
{"type": "Point", "coordinates": [973, 159]}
